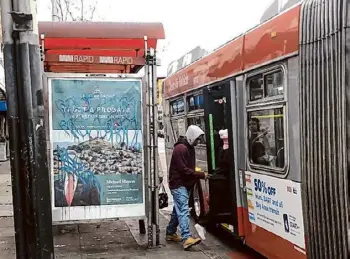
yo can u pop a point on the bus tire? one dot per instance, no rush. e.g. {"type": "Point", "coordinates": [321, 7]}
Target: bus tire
{"type": "Point", "coordinates": [196, 202]}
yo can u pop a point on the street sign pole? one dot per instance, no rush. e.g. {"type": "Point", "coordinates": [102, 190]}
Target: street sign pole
{"type": "Point", "coordinates": [30, 176]}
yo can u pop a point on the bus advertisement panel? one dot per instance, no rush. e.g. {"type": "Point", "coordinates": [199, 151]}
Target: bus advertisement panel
{"type": "Point", "coordinates": [276, 206]}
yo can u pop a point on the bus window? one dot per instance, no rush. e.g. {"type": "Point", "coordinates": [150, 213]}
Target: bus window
{"type": "Point", "coordinates": [266, 85]}
{"type": "Point", "coordinates": [177, 107]}
{"type": "Point", "coordinates": [195, 102]}
{"type": "Point", "coordinates": [266, 140]}
{"type": "Point", "coordinates": [175, 129]}
{"type": "Point", "coordinates": [179, 127]}
{"type": "Point", "coordinates": [266, 137]}
{"type": "Point", "coordinates": [256, 88]}
{"type": "Point", "coordinates": [274, 84]}
{"type": "Point", "coordinates": [198, 121]}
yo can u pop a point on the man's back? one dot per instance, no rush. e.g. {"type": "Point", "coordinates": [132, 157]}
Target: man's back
{"type": "Point", "coordinates": [182, 165]}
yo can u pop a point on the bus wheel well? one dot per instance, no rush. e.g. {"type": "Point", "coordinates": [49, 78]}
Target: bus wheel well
{"type": "Point", "coordinates": [196, 202]}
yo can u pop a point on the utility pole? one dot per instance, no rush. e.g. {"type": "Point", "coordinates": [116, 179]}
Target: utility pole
{"type": "Point", "coordinates": [29, 170]}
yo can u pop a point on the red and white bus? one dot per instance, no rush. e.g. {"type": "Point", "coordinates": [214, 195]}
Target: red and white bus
{"type": "Point", "coordinates": [282, 92]}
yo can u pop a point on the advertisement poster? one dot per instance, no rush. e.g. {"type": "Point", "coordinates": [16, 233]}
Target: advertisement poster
{"type": "Point", "coordinates": [96, 141]}
{"type": "Point", "coordinates": [275, 205]}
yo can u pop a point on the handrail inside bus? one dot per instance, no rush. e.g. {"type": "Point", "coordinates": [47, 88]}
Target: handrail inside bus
{"type": "Point", "coordinates": [268, 116]}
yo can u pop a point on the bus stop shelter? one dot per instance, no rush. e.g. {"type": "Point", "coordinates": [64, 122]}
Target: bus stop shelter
{"type": "Point", "coordinates": [92, 51]}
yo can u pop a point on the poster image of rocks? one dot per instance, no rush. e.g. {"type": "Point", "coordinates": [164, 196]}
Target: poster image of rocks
{"type": "Point", "coordinates": [97, 142]}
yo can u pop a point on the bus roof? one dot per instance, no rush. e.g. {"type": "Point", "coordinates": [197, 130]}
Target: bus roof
{"type": "Point", "coordinates": [269, 41]}
{"type": "Point", "coordinates": [97, 47]}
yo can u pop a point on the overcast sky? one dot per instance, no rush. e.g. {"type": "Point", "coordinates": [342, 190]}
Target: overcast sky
{"type": "Point", "coordinates": [187, 23]}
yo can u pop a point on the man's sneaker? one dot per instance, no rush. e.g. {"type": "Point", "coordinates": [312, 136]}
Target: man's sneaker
{"type": "Point", "coordinates": [173, 237]}
{"type": "Point", "coordinates": [191, 242]}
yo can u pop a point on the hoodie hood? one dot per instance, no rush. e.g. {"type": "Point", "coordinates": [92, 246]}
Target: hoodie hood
{"type": "Point", "coordinates": [192, 133]}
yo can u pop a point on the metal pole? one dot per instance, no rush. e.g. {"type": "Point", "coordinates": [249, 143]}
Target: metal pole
{"type": "Point", "coordinates": [33, 116]}
{"type": "Point", "coordinates": [14, 127]}
{"type": "Point", "coordinates": [148, 150]}
{"type": "Point", "coordinates": [42, 175]}
{"type": "Point", "coordinates": [35, 206]}
{"type": "Point", "coordinates": [155, 145]}
{"type": "Point", "coordinates": [151, 122]}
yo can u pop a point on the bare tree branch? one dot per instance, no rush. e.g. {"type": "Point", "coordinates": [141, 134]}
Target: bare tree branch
{"type": "Point", "coordinates": [81, 10]}
{"type": "Point", "coordinates": [68, 10]}
{"type": "Point", "coordinates": [61, 9]}
{"type": "Point", "coordinates": [92, 12]}
{"type": "Point", "coordinates": [75, 10]}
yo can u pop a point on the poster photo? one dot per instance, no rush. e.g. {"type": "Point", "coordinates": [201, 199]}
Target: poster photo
{"type": "Point", "coordinates": [96, 141]}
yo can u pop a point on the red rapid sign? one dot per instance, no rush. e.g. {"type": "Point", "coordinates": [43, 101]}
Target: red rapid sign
{"type": "Point", "coordinates": [92, 59]}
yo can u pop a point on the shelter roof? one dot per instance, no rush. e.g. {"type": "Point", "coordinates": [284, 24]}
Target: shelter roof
{"type": "Point", "coordinates": [97, 47]}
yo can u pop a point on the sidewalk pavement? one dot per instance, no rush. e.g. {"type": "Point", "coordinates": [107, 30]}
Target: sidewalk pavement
{"type": "Point", "coordinates": [116, 239]}
{"type": "Point", "coordinates": [5, 190]}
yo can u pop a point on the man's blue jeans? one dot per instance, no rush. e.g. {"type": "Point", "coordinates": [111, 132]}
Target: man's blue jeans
{"type": "Point", "coordinates": [180, 215]}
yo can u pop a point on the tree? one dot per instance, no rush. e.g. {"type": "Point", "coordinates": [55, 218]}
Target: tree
{"type": "Point", "coordinates": [73, 10]}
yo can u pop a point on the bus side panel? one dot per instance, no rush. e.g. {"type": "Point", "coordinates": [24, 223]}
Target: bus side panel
{"type": "Point", "coordinates": [238, 131]}
{"type": "Point", "coordinates": [265, 242]}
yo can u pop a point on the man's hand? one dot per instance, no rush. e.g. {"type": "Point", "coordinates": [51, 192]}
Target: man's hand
{"type": "Point", "coordinates": [207, 176]}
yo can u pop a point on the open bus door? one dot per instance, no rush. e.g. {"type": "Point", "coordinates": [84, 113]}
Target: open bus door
{"type": "Point", "coordinates": [222, 187]}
